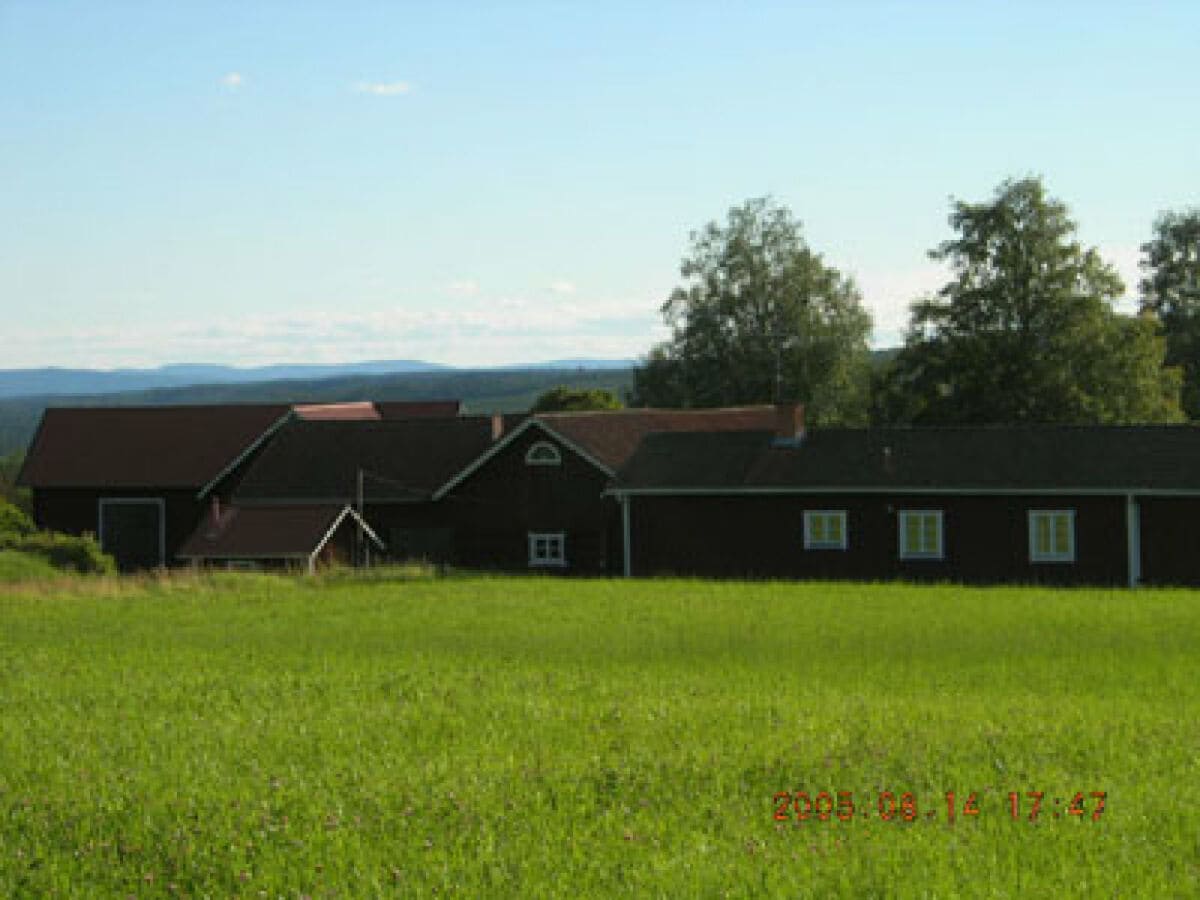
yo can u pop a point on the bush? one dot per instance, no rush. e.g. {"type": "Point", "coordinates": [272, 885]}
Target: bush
{"type": "Point", "coordinates": [64, 551]}
{"type": "Point", "coordinates": [13, 520]}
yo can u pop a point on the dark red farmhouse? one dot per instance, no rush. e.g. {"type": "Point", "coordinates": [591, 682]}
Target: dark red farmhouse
{"type": "Point", "coordinates": [1061, 504]}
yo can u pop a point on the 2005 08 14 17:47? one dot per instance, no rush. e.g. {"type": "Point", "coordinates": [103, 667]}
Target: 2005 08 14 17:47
{"type": "Point", "coordinates": [801, 806]}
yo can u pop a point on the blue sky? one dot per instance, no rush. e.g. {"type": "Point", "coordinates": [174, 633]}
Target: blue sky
{"type": "Point", "coordinates": [485, 183]}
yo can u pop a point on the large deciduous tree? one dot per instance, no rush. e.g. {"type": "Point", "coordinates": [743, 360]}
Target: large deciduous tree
{"type": "Point", "coordinates": [1025, 330]}
{"type": "Point", "coordinates": [1171, 291]}
{"type": "Point", "coordinates": [760, 318]}
{"type": "Point", "coordinates": [568, 399]}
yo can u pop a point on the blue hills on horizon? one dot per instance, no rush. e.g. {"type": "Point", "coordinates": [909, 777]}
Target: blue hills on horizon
{"type": "Point", "coordinates": [57, 381]}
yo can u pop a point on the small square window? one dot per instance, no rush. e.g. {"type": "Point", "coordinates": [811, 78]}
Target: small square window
{"type": "Point", "coordinates": [921, 534]}
{"type": "Point", "coordinates": [547, 549]}
{"type": "Point", "coordinates": [1052, 535]}
{"type": "Point", "coordinates": [825, 529]}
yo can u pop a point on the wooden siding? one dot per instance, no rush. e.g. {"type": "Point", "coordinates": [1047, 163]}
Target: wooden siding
{"type": "Point", "coordinates": [77, 511]}
{"type": "Point", "coordinates": [986, 538]}
{"type": "Point", "coordinates": [1170, 540]}
{"type": "Point", "coordinates": [494, 510]}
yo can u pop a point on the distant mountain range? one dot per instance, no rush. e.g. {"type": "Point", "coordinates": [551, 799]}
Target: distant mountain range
{"type": "Point", "coordinates": [56, 382]}
{"type": "Point", "coordinates": [508, 389]}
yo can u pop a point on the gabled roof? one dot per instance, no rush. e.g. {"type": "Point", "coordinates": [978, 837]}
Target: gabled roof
{"type": "Point", "coordinates": [269, 532]}
{"type": "Point", "coordinates": [143, 446]}
{"type": "Point", "coordinates": [1112, 459]}
{"type": "Point", "coordinates": [402, 460]}
{"type": "Point", "coordinates": [607, 439]}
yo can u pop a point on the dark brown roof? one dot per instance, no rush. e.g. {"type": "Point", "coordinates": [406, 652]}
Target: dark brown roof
{"type": "Point", "coordinates": [418, 409]}
{"type": "Point", "coordinates": [1090, 458]}
{"type": "Point", "coordinates": [146, 446]}
{"type": "Point", "coordinates": [612, 437]}
{"type": "Point", "coordinates": [271, 532]}
{"type": "Point", "coordinates": [402, 459]}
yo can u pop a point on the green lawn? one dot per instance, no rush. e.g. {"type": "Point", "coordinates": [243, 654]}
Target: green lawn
{"type": "Point", "coordinates": [16, 566]}
{"type": "Point", "coordinates": [259, 736]}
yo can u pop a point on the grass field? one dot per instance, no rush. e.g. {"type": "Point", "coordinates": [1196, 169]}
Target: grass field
{"type": "Point", "coordinates": [257, 736]}
{"type": "Point", "coordinates": [15, 566]}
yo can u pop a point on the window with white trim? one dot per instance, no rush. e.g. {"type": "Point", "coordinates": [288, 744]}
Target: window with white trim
{"type": "Point", "coordinates": [921, 534]}
{"type": "Point", "coordinates": [824, 529]}
{"type": "Point", "coordinates": [543, 453]}
{"type": "Point", "coordinates": [1052, 535]}
{"type": "Point", "coordinates": [547, 548]}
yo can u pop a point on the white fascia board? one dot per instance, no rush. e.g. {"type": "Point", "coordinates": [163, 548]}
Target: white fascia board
{"type": "Point", "coordinates": [482, 460]}
{"type": "Point", "coordinates": [962, 492]}
{"type": "Point", "coordinates": [254, 445]}
{"type": "Point", "coordinates": [365, 527]}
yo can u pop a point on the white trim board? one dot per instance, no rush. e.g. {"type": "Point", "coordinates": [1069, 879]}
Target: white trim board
{"type": "Point", "coordinates": [482, 460]}
{"type": "Point", "coordinates": [253, 445]}
{"type": "Point", "coordinates": [931, 491]}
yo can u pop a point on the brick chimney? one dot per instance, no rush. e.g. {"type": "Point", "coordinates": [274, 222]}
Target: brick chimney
{"type": "Point", "coordinates": [789, 423]}
{"type": "Point", "coordinates": [497, 426]}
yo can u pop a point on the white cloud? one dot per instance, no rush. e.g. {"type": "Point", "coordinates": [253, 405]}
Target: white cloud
{"type": "Point", "coordinates": [233, 80]}
{"type": "Point", "coordinates": [562, 287]}
{"type": "Point", "coordinates": [887, 295]}
{"type": "Point", "coordinates": [383, 88]}
{"type": "Point", "coordinates": [474, 332]}
{"type": "Point", "coordinates": [467, 287]}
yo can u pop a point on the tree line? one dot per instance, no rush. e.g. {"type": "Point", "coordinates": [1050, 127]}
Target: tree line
{"type": "Point", "coordinates": [1025, 330]}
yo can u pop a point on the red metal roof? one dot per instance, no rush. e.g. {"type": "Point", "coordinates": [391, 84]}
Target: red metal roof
{"type": "Point", "coordinates": [342, 412]}
{"type": "Point", "coordinates": [143, 446]}
{"type": "Point", "coordinates": [612, 437]}
{"type": "Point", "coordinates": [272, 532]}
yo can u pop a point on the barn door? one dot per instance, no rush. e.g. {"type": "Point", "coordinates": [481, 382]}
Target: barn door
{"type": "Point", "coordinates": [132, 531]}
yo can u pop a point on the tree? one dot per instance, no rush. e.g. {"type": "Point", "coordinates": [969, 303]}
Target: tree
{"type": "Point", "coordinates": [10, 466]}
{"type": "Point", "coordinates": [759, 318]}
{"type": "Point", "coordinates": [1171, 291]}
{"type": "Point", "coordinates": [1025, 330]}
{"type": "Point", "coordinates": [565, 399]}
{"type": "Point", "coordinates": [13, 521]}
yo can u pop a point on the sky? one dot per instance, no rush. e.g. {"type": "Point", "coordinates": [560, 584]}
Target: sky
{"type": "Point", "coordinates": [485, 183]}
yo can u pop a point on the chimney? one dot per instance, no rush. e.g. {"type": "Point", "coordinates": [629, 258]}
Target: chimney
{"type": "Point", "coordinates": [497, 426]}
{"type": "Point", "coordinates": [789, 423]}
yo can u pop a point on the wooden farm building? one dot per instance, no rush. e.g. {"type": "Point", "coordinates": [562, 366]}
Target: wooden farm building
{"type": "Point", "coordinates": [746, 492]}
{"type": "Point", "coordinates": [1060, 504]}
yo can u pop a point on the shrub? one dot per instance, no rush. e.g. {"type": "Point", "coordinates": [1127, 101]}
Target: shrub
{"type": "Point", "coordinates": [13, 520]}
{"type": "Point", "coordinates": [64, 551]}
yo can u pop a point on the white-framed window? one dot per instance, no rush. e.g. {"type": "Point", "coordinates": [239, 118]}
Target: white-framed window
{"type": "Point", "coordinates": [543, 453]}
{"type": "Point", "coordinates": [921, 534]}
{"type": "Point", "coordinates": [547, 548]}
{"type": "Point", "coordinates": [824, 529]}
{"type": "Point", "coordinates": [1052, 535]}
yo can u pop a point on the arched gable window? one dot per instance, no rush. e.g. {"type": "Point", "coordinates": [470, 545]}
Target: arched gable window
{"type": "Point", "coordinates": [543, 453]}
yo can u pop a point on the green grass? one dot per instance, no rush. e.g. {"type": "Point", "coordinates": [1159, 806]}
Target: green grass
{"type": "Point", "coordinates": [16, 566]}
{"type": "Point", "coordinates": [261, 736]}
